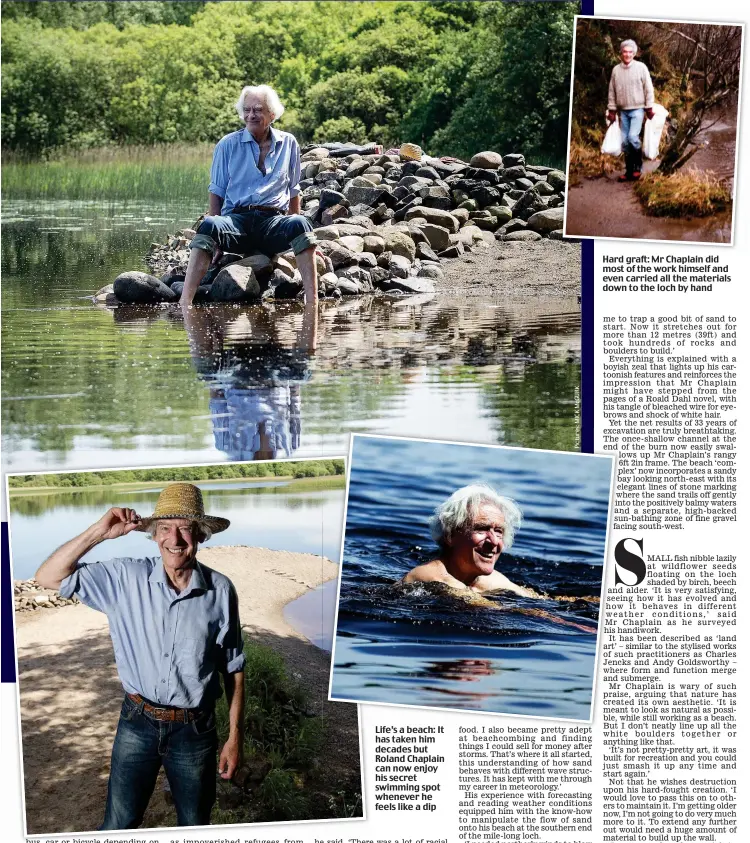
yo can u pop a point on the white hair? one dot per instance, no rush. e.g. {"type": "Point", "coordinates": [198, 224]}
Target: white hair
{"type": "Point", "coordinates": [457, 512]}
{"type": "Point", "coordinates": [629, 43]}
{"type": "Point", "coordinates": [200, 531]}
{"type": "Point", "coordinates": [264, 93]}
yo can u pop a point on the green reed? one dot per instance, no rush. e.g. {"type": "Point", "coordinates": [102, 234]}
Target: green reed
{"type": "Point", "coordinates": [132, 172]}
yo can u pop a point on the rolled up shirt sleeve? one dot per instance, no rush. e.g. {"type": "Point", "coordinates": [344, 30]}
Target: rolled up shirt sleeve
{"type": "Point", "coordinates": [95, 584]}
{"type": "Point", "coordinates": [219, 171]}
{"type": "Point", "coordinates": [230, 637]}
{"type": "Point", "coordinates": [295, 171]}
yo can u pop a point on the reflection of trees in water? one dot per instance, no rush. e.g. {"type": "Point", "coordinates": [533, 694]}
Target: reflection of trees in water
{"type": "Point", "coordinates": [85, 259]}
{"type": "Point", "coordinates": [138, 380]}
{"type": "Point", "coordinates": [534, 404]}
{"type": "Point", "coordinates": [39, 503]}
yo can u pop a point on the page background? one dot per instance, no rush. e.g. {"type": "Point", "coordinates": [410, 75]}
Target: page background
{"type": "Point", "coordinates": [443, 821]}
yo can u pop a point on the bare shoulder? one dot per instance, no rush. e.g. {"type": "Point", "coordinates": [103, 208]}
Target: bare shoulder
{"type": "Point", "coordinates": [428, 572]}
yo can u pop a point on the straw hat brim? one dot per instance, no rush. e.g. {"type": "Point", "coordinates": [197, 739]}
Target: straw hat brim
{"type": "Point", "coordinates": [214, 523]}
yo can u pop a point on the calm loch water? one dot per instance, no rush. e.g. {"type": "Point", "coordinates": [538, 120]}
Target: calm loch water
{"type": "Point", "coordinates": [89, 386]}
{"type": "Point", "coordinates": [416, 645]}
{"type": "Point", "coordinates": [279, 515]}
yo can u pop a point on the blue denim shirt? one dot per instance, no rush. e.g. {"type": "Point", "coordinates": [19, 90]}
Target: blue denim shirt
{"type": "Point", "coordinates": [169, 647]}
{"type": "Point", "coordinates": [236, 178]}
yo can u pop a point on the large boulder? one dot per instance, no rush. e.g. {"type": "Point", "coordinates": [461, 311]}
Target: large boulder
{"type": "Point", "coordinates": [424, 252]}
{"type": "Point", "coordinates": [436, 216]}
{"type": "Point", "coordinates": [557, 179]}
{"type": "Point", "coordinates": [546, 221]}
{"type": "Point", "coordinates": [349, 229]}
{"type": "Point", "coordinates": [436, 197]}
{"type": "Point", "coordinates": [357, 167]}
{"type": "Point", "coordinates": [260, 264]}
{"type": "Point", "coordinates": [500, 213]}
{"type": "Point", "coordinates": [522, 236]}
{"type": "Point", "coordinates": [363, 195]}
{"type": "Point", "coordinates": [410, 285]}
{"type": "Point", "coordinates": [327, 232]}
{"type": "Point", "coordinates": [517, 172]}
{"type": "Point", "coordinates": [374, 243]}
{"type": "Point", "coordinates": [399, 266]}
{"type": "Point", "coordinates": [439, 238]}
{"type": "Point", "coordinates": [529, 203]}
{"type": "Point", "coordinates": [316, 154]}
{"type": "Point", "coordinates": [353, 242]}
{"type": "Point", "coordinates": [487, 160]}
{"type": "Point", "coordinates": [236, 283]}
{"type": "Point", "coordinates": [341, 256]}
{"type": "Point", "coordinates": [514, 159]}
{"type": "Point", "coordinates": [141, 288]}
{"type": "Point", "coordinates": [431, 271]}
{"type": "Point", "coordinates": [333, 213]}
{"type": "Point", "coordinates": [470, 234]}
{"type": "Point", "coordinates": [400, 243]}
{"type": "Point", "coordinates": [330, 197]}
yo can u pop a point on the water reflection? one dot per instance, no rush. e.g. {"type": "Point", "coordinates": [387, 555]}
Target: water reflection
{"type": "Point", "coordinates": [253, 380]}
{"type": "Point", "coordinates": [276, 515]}
{"type": "Point", "coordinates": [85, 385]}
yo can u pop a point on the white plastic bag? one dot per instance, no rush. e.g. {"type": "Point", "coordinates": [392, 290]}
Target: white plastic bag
{"type": "Point", "coordinates": [613, 140]}
{"type": "Point", "coordinates": [653, 132]}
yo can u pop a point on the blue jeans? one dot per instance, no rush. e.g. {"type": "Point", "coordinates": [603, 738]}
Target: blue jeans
{"type": "Point", "coordinates": [631, 123]}
{"type": "Point", "coordinates": [252, 231]}
{"type": "Point", "coordinates": [142, 745]}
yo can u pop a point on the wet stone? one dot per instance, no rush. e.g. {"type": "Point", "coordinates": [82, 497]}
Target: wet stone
{"type": "Point", "coordinates": [236, 283]}
{"type": "Point", "coordinates": [141, 288]}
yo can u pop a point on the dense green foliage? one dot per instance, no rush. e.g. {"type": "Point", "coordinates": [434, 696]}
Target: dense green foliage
{"type": "Point", "coordinates": [282, 742]}
{"type": "Point", "coordinates": [454, 77]}
{"type": "Point", "coordinates": [192, 474]}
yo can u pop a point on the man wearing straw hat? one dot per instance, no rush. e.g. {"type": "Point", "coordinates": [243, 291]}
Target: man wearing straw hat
{"type": "Point", "coordinates": [175, 627]}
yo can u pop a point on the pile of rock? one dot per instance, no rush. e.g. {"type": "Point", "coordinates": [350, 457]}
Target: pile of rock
{"type": "Point", "coordinates": [385, 222]}
{"type": "Point", "coordinates": [29, 596]}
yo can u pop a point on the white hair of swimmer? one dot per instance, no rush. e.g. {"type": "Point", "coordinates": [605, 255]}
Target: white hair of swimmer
{"type": "Point", "coordinates": [458, 511]}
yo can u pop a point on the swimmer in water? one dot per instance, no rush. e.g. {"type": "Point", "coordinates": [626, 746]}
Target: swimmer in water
{"type": "Point", "coordinates": [472, 528]}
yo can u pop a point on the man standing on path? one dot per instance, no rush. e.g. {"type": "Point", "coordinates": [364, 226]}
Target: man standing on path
{"type": "Point", "coordinates": [631, 93]}
{"type": "Point", "coordinates": [253, 198]}
{"type": "Point", "coordinates": [175, 628]}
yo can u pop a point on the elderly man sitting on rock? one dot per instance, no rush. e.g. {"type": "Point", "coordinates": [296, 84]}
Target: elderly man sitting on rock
{"type": "Point", "coordinates": [253, 197]}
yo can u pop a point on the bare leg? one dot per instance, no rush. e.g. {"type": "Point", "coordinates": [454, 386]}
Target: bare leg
{"type": "Point", "coordinates": [197, 267]}
{"type": "Point", "coordinates": [309, 334]}
{"type": "Point", "coordinates": [306, 266]}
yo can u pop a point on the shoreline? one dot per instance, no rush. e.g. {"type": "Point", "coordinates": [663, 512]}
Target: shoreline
{"type": "Point", "coordinates": [70, 694]}
{"type": "Point", "coordinates": [285, 479]}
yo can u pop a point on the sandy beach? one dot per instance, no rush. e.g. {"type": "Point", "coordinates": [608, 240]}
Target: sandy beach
{"type": "Point", "coordinates": [71, 695]}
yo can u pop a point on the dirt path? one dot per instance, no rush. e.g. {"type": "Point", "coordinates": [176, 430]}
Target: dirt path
{"type": "Point", "coordinates": [71, 695]}
{"type": "Point", "coordinates": [603, 207]}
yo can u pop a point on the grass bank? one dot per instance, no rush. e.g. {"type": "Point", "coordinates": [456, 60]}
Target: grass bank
{"type": "Point", "coordinates": [587, 161]}
{"type": "Point", "coordinates": [134, 173]}
{"type": "Point", "coordinates": [333, 481]}
{"type": "Point", "coordinates": [283, 739]}
{"type": "Point", "coordinates": [686, 193]}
